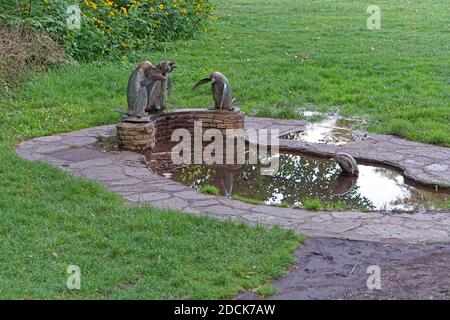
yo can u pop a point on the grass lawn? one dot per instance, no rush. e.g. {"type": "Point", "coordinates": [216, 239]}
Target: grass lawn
{"type": "Point", "coordinates": [396, 78]}
{"type": "Point", "coordinates": [51, 220]}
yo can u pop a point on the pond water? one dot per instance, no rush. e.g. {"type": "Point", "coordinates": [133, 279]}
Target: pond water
{"type": "Point", "coordinates": [301, 178]}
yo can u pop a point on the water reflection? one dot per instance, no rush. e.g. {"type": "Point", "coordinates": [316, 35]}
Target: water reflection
{"type": "Point", "coordinates": [333, 130]}
{"type": "Point", "coordinates": [300, 178]}
{"type": "Point", "coordinates": [345, 184]}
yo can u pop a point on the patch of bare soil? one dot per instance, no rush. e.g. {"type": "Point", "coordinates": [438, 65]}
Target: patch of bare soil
{"type": "Point", "coordinates": [337, 269]}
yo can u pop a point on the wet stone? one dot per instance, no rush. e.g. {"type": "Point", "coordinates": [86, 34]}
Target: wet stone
{"type": "Point", "coordinates": [437, 168]}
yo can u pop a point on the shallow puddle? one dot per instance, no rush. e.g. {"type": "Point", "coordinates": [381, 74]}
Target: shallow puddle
{"type": "Point", "coordinates": [301, 179]}
{"type": "Point", "coordinates": [333, 130]}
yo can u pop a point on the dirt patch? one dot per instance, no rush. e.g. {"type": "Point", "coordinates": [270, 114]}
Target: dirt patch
{"type": "Point", "coordinates": [337, 269]}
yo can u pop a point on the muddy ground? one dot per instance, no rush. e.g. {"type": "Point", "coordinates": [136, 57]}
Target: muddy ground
{"type": "Point", "coordinates": [337, 269]}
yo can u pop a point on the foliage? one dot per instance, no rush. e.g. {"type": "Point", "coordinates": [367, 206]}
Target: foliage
{"type": "Point", "coordinates": [210, 189]}
{"type": "Point", "coordinates": [112, 28]}
{"type": "Point", "coordinates": [23, 50]}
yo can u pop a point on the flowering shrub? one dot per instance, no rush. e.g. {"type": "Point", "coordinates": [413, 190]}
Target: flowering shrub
{"type": "Point", "coordinates": [117, 27]}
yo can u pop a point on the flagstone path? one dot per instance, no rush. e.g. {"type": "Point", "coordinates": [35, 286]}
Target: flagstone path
{"type": "Point", "coordinates": [126, 173]}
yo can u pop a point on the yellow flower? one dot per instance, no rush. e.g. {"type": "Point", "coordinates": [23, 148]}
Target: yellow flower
{"type": "Point", "coordinates": [93, 5]}
{"type": "Point", "coordinates": [152, 9]}
{"type": "Point", "coordinates": [124, 10]}
{"type": "Point", "coordinates": [183, 11]}
{"type": "Point", "coordinates": [108, 3]}
{"type": "Point", "coordinates": [86, 2]}
{"type": "Point", "coordinates": [161, 6]}
{"type": "Point", "coordinates": [111, 13]}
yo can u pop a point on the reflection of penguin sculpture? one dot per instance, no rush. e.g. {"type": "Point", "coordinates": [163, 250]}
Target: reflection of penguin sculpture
{"type": "Point", "coordinates": [345, 184]}
{"type": "Point", "coordinates": [221, 90]}
{"type": "Point", "coordinates": [347, 163]}
{"type": "Point", "coordinates": [223, 178]}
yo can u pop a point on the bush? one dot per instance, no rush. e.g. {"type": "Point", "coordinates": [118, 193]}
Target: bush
{"type": "Point", "coordinates": [112, 28]}
{"type": "Point", "coordinates": [23, 50]}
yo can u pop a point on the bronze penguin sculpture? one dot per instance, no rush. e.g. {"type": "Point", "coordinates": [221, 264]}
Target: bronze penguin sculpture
{"type": "Point", "coordinates": [221, 90]}
{"type": "Point", "coordinates": [158, 92]}
{"type": "Point", "coordinates": [137, 96]}
{"type": "Point", "coordinates": [347, 163]}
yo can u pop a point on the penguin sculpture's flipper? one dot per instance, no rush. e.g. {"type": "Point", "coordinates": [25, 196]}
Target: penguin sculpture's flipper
{"type": "Point", "coordinates": [224, 93]}
{"type": "Point", "coordinates": [200, 82]}
{"type": "Point", "coordinates": [152, 96]}
{"type": "Point", "coordinates": [169, 86]}
{"type": "Point", "coordinates": [158, 77]}
{"type": "Point", "coordinates": [152, 91]}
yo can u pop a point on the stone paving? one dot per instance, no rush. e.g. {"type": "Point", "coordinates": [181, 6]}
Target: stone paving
{"type": "Point", "coordinates": [126, 173]}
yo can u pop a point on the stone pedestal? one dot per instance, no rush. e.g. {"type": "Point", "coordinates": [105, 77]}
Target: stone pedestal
{"type": "Point", "coordinates": [166, 123]}
{"type": "Point", "coordinates": [136, 136]}
{"type": "Point", "coordinates": [143, 136]}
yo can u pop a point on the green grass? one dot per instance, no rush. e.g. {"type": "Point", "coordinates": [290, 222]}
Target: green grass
{"type": "Point", "coordinates": [51, 220]}
{"type": "Point", "coordinates": [397, 78]}
{"type": "Point", "coordinates": [313, 204]}
{"type": "Point", "coordinates": [210, 189]}
{"type": "Point", "coordinates": [266, 290]}
{"type": "Point", "coordinates": [319, 205]}
{"type": "Point", "coordinates": [246, 199]}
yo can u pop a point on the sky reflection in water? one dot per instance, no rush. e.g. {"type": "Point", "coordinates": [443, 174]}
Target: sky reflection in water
{"type": "Point", "coordinates": [300, 178]}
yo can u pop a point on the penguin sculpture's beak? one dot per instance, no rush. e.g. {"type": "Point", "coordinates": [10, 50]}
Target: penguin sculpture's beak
{"type": "Point", "coordinates": [200, 82]}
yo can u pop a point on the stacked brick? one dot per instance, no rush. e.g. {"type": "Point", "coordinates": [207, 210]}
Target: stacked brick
{"type": "Point", "coordinates": [143, 136]}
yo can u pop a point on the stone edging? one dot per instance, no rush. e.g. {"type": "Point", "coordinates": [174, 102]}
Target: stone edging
{"type": "Point", "coordinates": [124, 173]}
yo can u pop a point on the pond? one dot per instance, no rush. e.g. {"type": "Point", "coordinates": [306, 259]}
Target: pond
{"type": "Point", "coordinates": [301, 179]}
